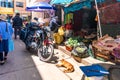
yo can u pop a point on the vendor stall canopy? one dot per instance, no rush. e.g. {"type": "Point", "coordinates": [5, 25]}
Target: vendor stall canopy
{"type": "Point", "coordinates": [65, 2]}
{"type": "Point", "coordinates": [69, 5]}
{"type": "Point", "coordinates": [60, 2]}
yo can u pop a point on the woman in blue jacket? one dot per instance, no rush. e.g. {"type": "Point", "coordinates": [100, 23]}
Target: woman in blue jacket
{"type": "Point", "coordinates": [6, 32]}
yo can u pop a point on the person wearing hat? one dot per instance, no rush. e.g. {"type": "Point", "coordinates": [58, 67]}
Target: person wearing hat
{"type": "Point", "coordinates": [6, 32]}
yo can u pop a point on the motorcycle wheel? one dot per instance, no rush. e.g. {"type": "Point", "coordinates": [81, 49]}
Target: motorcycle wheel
{"type": "Point", "coordinates": [28, 42]}
{"type": "Point", "coordinates": [45, 53]}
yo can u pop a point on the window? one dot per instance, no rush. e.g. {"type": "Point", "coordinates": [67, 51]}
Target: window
{"type": "Point", "coordinates": [8, 4]}
{"type": "Point", "coordinates": [3, 4]}
{"type": "Point", "coordinates": [19, 4]}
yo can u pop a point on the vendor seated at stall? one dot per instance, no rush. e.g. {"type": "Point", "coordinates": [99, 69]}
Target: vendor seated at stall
{"type": "Point", "coordinates": [68, 29]}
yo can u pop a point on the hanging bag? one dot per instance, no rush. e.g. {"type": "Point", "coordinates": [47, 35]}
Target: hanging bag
{"type": "Point", "coordinates": [10, 41]}
{"type": "Point", "coordinates": [10, 45]}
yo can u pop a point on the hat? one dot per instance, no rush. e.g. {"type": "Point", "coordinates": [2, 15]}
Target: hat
{"type": "Point", "coordinates": [3, 17]}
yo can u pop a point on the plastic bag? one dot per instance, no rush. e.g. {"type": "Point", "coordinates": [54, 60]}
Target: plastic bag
{"type": "Point", "coordinates": [10, 45]}
{"type": "Point", "coordinates": [61, 31]}
{"type": "Point", "coordinates": [57, 38]}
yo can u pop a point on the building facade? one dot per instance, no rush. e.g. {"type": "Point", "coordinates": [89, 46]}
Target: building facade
{"type": "Point", "coordinates": [11, 7]}
{"type": "Point", "coordinates": [6, 7]}
{"type": "Point", "coordinates": [20, 7]}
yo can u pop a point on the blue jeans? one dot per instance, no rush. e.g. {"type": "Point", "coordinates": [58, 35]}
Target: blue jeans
{"type": "Point", "coordinates": [3, 49]}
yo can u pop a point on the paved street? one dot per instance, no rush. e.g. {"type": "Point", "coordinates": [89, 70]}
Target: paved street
{"type": "Point", "coordinates": [23, 65]}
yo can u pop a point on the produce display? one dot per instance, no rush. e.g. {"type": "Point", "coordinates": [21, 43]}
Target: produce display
{"type": "Point", "coordinates": [73, 41]}
{"type": "Point", "coordinates": [80, 49]}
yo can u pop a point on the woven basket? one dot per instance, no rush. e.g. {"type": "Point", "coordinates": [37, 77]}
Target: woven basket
{"type": "Point", "coordinates": [78, 59]}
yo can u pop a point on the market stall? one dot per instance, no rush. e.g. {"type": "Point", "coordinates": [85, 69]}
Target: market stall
{"type": "Point", "coordinates": [81, 29]}
{"type": "Point", "coordinates": [107, 48]}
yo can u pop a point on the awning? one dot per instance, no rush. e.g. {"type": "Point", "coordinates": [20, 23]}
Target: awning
{"type": "Point", "coordinates": [118, 0]}
{"type": "Point", "coordinates": [61, 1]}
{"type": "Point", "coordinates": [77, 6]}
{"type": "Point", "coordinates": [6, 10]}
{"type": "Point", "coordinates": [66, 2]}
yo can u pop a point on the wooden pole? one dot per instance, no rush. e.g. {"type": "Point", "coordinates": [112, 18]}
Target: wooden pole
{"type": "Point", "coordinates": [99, 25]}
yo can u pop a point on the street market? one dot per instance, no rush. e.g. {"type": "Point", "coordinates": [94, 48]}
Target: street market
{"type": "Point", "coordinates": [87, 32]}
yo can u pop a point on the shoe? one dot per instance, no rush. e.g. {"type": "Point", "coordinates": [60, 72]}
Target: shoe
{"type": "Point", "coordinates": [2, 62]}
{"type": "Point", "coordinates": [5, 59]}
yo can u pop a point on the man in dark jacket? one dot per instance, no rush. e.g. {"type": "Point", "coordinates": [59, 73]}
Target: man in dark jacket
{"type": "Point", "coordinates": [17, 24]}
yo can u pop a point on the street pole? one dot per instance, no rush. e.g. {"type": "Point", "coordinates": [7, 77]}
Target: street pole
{"type": "Point", "coordinates": [99, 25]}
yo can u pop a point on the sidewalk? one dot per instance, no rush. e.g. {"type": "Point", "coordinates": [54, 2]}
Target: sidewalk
{"type": "Point", "coordinates": [77, 74]}
{"type": "Point", "coordinates": [23, 65]}
{"type": "Point", "coordinates": [87, 61]}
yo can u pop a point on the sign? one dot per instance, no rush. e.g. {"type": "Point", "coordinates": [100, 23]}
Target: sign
{"type": "Point", "coordinates": [6, 10]}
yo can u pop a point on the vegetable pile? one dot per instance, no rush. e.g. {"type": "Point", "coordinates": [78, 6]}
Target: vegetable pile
{"type": "Point", "coordinates": [73, 41]}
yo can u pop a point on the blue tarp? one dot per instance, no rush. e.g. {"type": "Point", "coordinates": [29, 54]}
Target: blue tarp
{"type": "Point", "coordinates": [94, 70]}
{"type": "Point", "coordinates": [69, 1]}
{"type": "Point", "coordinates": [60, 1]}
{"type": "Point", "coordinates": [99, 0]}
{"type": "Point", "coordinates": [77, 6]}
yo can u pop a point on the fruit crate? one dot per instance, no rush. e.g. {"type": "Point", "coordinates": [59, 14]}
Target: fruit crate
{"type": "Point", "coordinates": [103, 49]}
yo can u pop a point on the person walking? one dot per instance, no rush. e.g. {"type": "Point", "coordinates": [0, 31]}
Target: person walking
{"type": "Point", "coordinates": [6, 32]}
{"type": "Point", "coordinates": [17, 24]}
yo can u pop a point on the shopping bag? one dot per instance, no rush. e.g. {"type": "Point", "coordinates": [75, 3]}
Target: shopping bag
{"type": "Point", "coordinates": [10, 45]}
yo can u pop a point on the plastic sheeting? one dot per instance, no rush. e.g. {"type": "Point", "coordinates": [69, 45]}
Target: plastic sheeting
{"type": "Point", "coordinates": [118, 0]}
{"type": "Point", "coordinates": [69, 1]}
{"type": "Point", "coordinates": [60, 1]}
{"type": "Point", "coordinates": [77, 6]}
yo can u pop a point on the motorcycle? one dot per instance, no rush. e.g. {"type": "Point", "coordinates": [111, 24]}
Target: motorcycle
{"type": "Point", "coordinates": [38, 39]}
